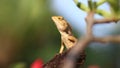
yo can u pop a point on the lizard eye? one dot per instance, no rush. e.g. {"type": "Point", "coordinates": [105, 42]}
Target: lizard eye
{"type": "Point", "coordinates": [60, 18]}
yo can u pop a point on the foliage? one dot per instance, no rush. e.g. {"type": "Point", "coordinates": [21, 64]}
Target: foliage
{"type": "Point", "coordinates": [114, 7]}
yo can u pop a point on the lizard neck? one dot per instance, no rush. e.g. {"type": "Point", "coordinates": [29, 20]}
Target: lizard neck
{"type": "Point", "coordinates": [66, 33]}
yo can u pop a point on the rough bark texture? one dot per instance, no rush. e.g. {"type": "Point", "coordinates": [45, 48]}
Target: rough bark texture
{"type": "Point", "coordinates": [58, 60]}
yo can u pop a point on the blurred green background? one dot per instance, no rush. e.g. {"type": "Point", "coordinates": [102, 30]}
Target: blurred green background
{"type": "Point", "coordinates": [27, 33]}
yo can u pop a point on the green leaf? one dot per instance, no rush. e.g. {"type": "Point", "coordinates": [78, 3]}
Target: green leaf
{"type": "Point", "coordinates": [100, 2]}
{"type": "Point", "coordinates": [81, 6]}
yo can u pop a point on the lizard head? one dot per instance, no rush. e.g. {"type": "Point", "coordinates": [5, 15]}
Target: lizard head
{"type": "Point", "coordinates": [60, 22]}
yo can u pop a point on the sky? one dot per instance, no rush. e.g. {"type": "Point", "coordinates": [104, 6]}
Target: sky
{"type": "Point", "coordinates": [75, 17]}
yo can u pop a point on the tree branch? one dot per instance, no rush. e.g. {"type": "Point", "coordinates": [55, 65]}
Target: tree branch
{"type": "Point", "coordinates": [79, 48]}
{"type": "Point", "coordinates": [90, 22]}
{"type": "Point", "coordinates": [74, 54]}
{"type": "Point", "coordinates": [106, 20]}
{"type": "Point", "coordinates": [112, 39]}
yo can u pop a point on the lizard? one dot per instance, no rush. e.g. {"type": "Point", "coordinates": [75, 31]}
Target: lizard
{"type": "Point", "coordinates": [67, 38]}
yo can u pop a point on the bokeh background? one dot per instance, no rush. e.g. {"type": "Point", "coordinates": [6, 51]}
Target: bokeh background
{"type": "Point", "coordinates": [27, 33]}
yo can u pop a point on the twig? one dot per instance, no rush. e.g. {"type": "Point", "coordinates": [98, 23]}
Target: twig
{"type": "Point", "coordinates": [90, 22]}
{"type": "Point", "coordinates": [106, 20]}
{"type": "Point", "coordinates": [112, 39]}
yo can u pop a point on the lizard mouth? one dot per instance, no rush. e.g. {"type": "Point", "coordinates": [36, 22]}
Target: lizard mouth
{"type": "Point", "coordinates": [58, 20]}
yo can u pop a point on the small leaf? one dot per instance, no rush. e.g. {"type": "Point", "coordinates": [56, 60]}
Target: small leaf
{"type": "Point", "coordinates": [100, 2]}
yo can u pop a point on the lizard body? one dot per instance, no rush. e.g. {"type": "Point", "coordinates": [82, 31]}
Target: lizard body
{"type": "Point", "coordinates": [67, 38]}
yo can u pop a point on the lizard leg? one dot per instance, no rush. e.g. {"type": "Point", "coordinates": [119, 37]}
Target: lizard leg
{"type": "Point", "coordinates": [62, 47]}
